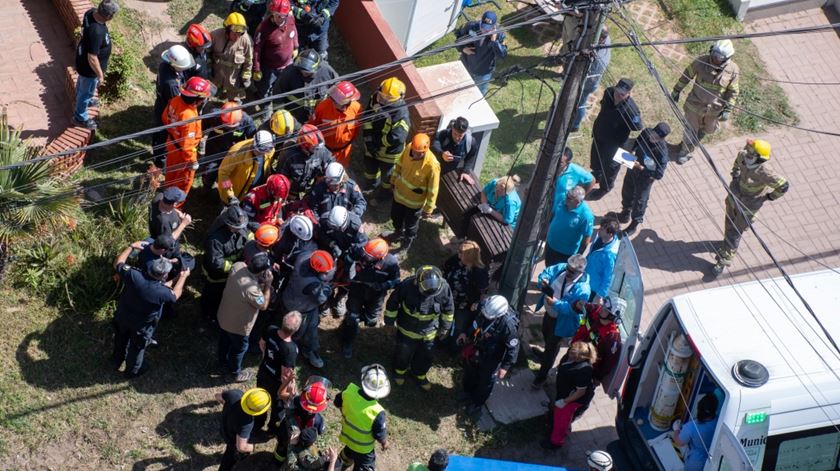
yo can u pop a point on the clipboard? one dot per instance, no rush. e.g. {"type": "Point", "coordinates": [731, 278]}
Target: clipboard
{"type": "Point", "coordinates": [624, 157]}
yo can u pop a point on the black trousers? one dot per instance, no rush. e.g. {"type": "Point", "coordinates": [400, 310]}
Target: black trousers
{"type": "Point", "coordinates": [635, 194]}
{"type": "Point", "coordinates": [552, 347]}
{"type": "Point", "coordinates": [414, 355]}
{"type": "Point", "coordinates": [377, 172]}
{"type": "Point", "coordinates": [553, 257]}
{"type": "Point", "coordinates": [406, 221]}
{"type": "Point", "coordinates": [363, 305]}
{"type": "Point", "coordinates": [603, 168]}
{"type": "Point", "coordinates": [230, 457]}
{"type": "Point", "coordinates": [211, 297]}
{"type": "Point", "coordinates": [130, 345]}
{"type": "Point", "coordinates": [359, 461]}
{"type": "Point", "coordinates": [479, 379]}
{"type": "Point", "coordinates": [271, 384]}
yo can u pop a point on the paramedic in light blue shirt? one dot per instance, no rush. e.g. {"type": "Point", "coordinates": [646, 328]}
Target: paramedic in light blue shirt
{"type": "Point", "coordinates": [500, 200]}
{"type": "Point", "coordinates": [571, 227]}
{"type": "Point", "coordinates": [570, 176]}
{"type": "Point", "coordinates": [698, 433]}
{"type": "Point", "coordinates": [600, 262]}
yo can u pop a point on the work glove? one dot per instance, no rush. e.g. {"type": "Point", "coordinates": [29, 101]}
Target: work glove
{"type": "Point", "coordinates": [484, 208]}
{"type": "Point", "coordinates": [246, 83]}
{"type": "Point", "coordinates": [559, 403]}
{"type": "Point", "coordinates": [677, 425]}
{"type": "Point", "coordinates": [675, 95]}
{"type": "Point", "coordinates": [724, 116]}
{"type": "Point", "coordinates": [318, 20]}
{"type": "Point", "coordinates": [202, 146]}
{"type": "Point", "coordinates": [258, 76]}
{"type": "Point", "coordinates": [233, 201]}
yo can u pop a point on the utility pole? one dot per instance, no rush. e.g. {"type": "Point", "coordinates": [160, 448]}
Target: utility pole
{"type": "Point", "coordinates": [516, 272]}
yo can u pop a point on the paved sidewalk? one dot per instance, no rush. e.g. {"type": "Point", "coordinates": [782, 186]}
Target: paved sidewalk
{"type": "Point", "coordinates": [35, 52]}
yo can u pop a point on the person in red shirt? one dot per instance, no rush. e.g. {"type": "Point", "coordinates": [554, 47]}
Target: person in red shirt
{"type": "Point", "coordinates": [601, 329]}
{"type": "Point", "coordinates": [336, 116]}
{"type": "Point", "coordinates": [275, 46]}
{"type": "Point", "coordinates": [264, 203]}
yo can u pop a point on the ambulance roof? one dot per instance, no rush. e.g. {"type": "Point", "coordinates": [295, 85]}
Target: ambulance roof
{"type": "Point", "coordinates": [765, 321]}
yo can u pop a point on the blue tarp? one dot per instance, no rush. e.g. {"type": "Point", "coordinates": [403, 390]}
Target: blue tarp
{"type": "Point", "coordinates": [468, 463]}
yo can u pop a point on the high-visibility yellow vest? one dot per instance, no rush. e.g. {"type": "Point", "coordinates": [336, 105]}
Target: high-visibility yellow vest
{"type": "Point", "coordinates": [357, 416]}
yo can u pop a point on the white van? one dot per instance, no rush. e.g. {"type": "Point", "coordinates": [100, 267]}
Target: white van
{"type": "Point", "coordinates": [757, 348]}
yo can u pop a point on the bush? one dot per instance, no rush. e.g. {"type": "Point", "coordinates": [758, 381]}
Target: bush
{"type": "Point", "coordinates": [126, 71]}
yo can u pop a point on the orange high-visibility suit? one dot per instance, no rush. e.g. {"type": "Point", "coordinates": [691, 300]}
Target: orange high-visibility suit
{"type": "Point", "coordinates": [339, 128]}
{"type": "Point", "coordinates": [181, 144]}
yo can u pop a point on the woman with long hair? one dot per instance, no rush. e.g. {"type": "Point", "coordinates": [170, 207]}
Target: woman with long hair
{"type": "Point", "coordinates": [574, 389]}
{"type": "Point", "coordinates": [469, 279]}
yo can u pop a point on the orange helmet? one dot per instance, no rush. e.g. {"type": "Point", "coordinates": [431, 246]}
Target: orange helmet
{"type": "Point", "coordinates": [315, 397]}
{"type": "Point", "coordinates": [198, 37]}
{"type": "Point", "coordinates": [309, 138]}
{"type": "Point", "coordinates": [377, 248]}
{"type": "Point", "coordinates": [321, 261]}
{"type": "Point", "coordinates": [420, 143]}
{"type": "Point", "coordinates": [231, 119]}
{"type": "Point", "coordinates": [267, 235]}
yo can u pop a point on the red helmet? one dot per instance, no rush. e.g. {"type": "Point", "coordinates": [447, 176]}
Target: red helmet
{"type": "Point", "coordinates": [278, 186]}
{"type": "Point", "coordinates": [315, 397]}
{"type": "Point", "coordinates": [377, 248]}
{"type": "Point", "coordinates": [280, 6]}
{"type": "Point", "coordinates": [267, 234]}
{"type": "Point", "coordinates": [343, 93]}
{"type": "Point", "coordinates": [309, 138]}
{"type": "Point", "coordinates": [198, 36]}
{"type": "Point", "coordinates": [231, 119]}
{"type": "Point", "coordinates": [198, 87]}
{"type": "Point", "coordinates": [321, 261]}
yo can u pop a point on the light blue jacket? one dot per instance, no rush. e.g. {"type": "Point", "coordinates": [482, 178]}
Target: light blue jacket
{"type": "Point", "coordinates": [568, 320]}
{"type": "Point", "coordinates": [600, 265]}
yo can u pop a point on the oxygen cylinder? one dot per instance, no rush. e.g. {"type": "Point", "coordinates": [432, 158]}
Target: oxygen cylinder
{"type": "Point", "coordinates": [671, 377]}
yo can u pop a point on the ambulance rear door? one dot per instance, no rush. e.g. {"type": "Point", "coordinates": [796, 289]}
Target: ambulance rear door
{"type": "Point", "coordinates": [730, 454]}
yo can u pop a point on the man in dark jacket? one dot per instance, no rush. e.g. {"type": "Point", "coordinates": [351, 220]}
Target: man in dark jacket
{"type": "Point", "coordinates": [479, 56]}
{"type": "Point", "coordinates": [422, 308]}
{"type": "Point", "coordinates": [252, 10]}
{"type": "Point", "coordinates": [308, 288]}
{"type": "Point", "coordinates": [310, 71]}
{"type": "Point", "coordinates": [313, 19]}
{"type": "Point", "coordinates": [456, 148]}
{"type": "Point", "coordinates": [495, 337]}
{"type": "Point", "coordinates": [336, 189]}
{"type": "Point", "coordinates": [385, 133]}
{"type": "Point", "coordinates": [651, 152]}
{"type": "Point", "coordinates": [223, 247]}
{"type": "Point", "coordinates": [619, 116]}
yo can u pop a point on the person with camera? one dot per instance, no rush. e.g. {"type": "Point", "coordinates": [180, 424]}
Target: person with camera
{"type": "Point", "coordinates": [479, 56]}
{"type": "Point", "coordinates": [457, 149]}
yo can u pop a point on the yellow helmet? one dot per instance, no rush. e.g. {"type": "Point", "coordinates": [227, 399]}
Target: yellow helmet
{"type": "Point", "coordinates": [255, 401]}
{"type": "Point", "coordinates": [761, 147]}
{"type": "Point", "coordinates": [236, 22]}
{"type": "Point", "coordinates": [392, 89]}
{"type": "Point", "coordinates": [282, 123]}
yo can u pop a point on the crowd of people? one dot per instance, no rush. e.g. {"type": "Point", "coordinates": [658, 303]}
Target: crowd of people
{"type": "Point", "coordinates": [289, 245]}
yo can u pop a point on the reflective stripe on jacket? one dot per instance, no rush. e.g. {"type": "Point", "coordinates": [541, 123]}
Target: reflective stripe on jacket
{"type": "Point", "coordinates": [416, 181]}
{"type": "Point", "coordinates": [182, 141]}
{"type": "Point", "coordinates": [357, 416]}
{"type": "Point", "coordinates": [714, 88]}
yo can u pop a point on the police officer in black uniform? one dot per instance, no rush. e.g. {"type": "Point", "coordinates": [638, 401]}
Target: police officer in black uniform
{"type": "Point", "coordinates": [223, 247]}
{"type": "Point", "coordinates": [376, 272]}
{"type": "Point", "coordinates": [618, 116]}
{"type": "Point", "coordinates": [493, 348]}
{"type": "Point", "coordinates": [309, 71]}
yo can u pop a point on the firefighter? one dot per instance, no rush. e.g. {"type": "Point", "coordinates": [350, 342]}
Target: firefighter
{"type": "Point", "coordinates": [171, 76]}
{"type": "Point", "coordinates": [232, 54]}
{"type": "Point", "coordinates": [305, 84]}
{"type": "Point", "coordinates": [182, 141]}
{"type": "Point", "coordinates": [275, 46]}
{"type": "Point", "coordinates": [304, 414]}
{"type": "Point", "coordinates": [416, 179]}
{"type": "Point", "coordinates": [754, 181]}
{"type": "Point", "coordinates": [313, 19]}
{"type": "Point", "coordinates": [222, 132]}
{"type": "Point", "coordinates": [198, 43]}
{"type": "Point", "coordinates": [306, 162]}
{"type": "Point", "coordinates": [711, 99]}
{"type": "Point", "coordinates": [363, 419]}
{"type": "Point", "coordinates": [223, 246]}
{"type": "Point", "coordinates": [284, 127]}
{"type": "Point", "coordinates": [495, 346]}
{"type": "Point", "coordinates": [264, 203]}
{"type": "Point", "coordinates": [296, 238]}
{"type": "Point", "coordinates": [376, 272]}
{"type": "Point", "coordinates": [309, 287]}
{"type": "Point", "coordinates": [423, 309]}
{"type": "Point", "coordinates": [385, 133]}
{"type": "Point", "coordinates": [253, 11]}
{"type": "Point", "coordinates": [341, 234]}
{"type": "Point", "coordinates": [238, 421]}
{"type": "Point", "coordinates": [336, 189]}
{"type": "Point", "coordinates": [265, 236]}
{"type": "Point", "coordinates": [248, 163]}
{"type": "Point", "coordinates": [337, 117]}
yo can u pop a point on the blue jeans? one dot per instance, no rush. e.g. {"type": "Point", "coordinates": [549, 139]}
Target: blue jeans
{"type": "Point", "coordinates": [85, 89]}
{"type": "Point", "coordinates": [232, 348]}
{"type": "Point", "coordinates": [482, 82]}
{"type": "Point", "coordinates": [588, 88]}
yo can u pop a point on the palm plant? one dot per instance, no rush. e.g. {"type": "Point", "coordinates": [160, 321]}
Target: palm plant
{"type": "Point", "coordinates": [30, 198]}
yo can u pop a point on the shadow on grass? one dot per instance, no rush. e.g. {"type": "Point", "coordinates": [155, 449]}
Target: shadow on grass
{"type": "Point", "coordinates": [188, 426]}
{"type": "Point", "coordinates": [132, 152]}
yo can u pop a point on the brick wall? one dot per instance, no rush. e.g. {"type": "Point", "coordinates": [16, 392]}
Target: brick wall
{"type": "Point", "coordinates": [373, 43]}
{"type": "Point", "coordinates": [71, 13]}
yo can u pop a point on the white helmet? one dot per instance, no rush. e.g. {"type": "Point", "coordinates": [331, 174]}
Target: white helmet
{"type": "Point", "coordinates": [334, 173]}
{"type": "Point", "coordinates": [375, 381]}
{"type": "Point", "coordinates": [301, 227]}
{"type": "Point", "coordinates": [178, 57]}
{"type": "Point", "coordinates": [723, 48]}
{"type": "Point", "coordinates": [338, 218]}
{"type": "Point", "coordinates": [615, 305]}
{"type": "Point", "coordinates": [494, 307]}
{"type": "Point", "coordinates": [599, 460]}
{"type": "Point", "coordinates": [263, 142]}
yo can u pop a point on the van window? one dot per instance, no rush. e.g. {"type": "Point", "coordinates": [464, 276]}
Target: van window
{"type": "Point", "coordinates": [814, 450]}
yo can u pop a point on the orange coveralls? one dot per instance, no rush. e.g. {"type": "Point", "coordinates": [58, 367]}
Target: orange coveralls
{"type": "Point", "coordinates": [339, 128]}
{"type": "Point", "coordinates": [181, 145]}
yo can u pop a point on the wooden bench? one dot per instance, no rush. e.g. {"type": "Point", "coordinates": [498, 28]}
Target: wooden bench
{"type": "Point", "coordinates": [457, 202]}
